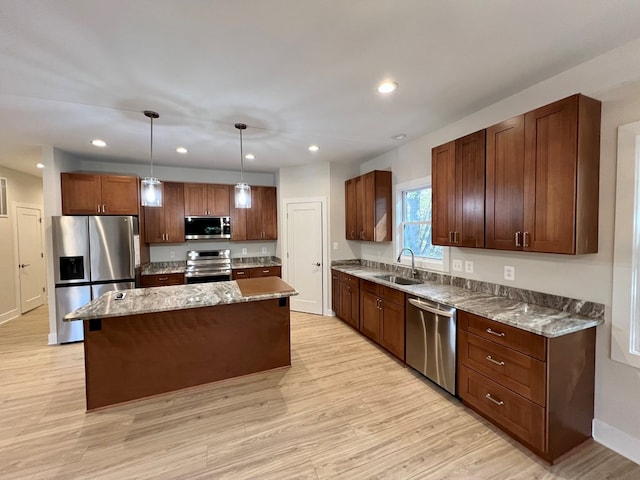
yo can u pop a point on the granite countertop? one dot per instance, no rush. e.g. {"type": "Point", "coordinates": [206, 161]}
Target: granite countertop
{"type": "Point", "coordinates": [179, 297]}
{"type": "Point", "coordinates": [252, 263]}
{"type": "Point", "coordinates": [165, 268]}
{"type": "Point", "coordinates": [544, 321]}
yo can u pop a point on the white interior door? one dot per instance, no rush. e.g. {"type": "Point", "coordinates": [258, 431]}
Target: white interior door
{"type": "Point", "coordinates": [30, 258]}
{"type": "Point", "coordinates": [304, 255]}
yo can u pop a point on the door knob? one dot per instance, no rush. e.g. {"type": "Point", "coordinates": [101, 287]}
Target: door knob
{"type": "Point", "coordinates": [317, 264]}
{"type": "Point", "coordinates": [22, 265]}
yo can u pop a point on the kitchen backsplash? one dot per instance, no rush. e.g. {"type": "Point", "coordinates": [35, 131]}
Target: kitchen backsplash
{"type": "Point", "coordinates": [582, 307]}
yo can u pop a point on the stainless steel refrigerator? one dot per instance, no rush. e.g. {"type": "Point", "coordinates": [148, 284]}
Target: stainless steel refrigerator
{"type": "Point", "coordinates": [92, 255]}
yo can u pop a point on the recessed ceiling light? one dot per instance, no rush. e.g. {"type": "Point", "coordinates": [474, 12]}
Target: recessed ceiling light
{"type": "Point", "coordinates": [314, 148]}
{"type": "Point", "coordinates": [387, 87]}
{"type": "Point", "coordinates": [40, 165]}
{"type": "Point", "coordinates": [98, 143]}
{"type": "Point", "coordinates": [400, 136]}
{"type": "Point", "coordinates": [181, 150]}
{"type": "Point", "coordinates": [250, 156]}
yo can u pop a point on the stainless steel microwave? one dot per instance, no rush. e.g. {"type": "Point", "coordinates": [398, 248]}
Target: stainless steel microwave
{"type": "Point", "coordinates": [204, 228]}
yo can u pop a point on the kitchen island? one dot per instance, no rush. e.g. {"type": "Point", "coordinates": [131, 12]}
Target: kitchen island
{"type": "Point", "coordinates": [161, 339]}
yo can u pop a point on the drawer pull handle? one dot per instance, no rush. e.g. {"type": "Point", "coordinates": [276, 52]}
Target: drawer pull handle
{"type": "Point", "coordinates": [497, 402]}
{"type": "Point", "coordinates": [497, 334]}
{"type": "Point", "coordinates": [265, 271]}
{"type": "Point", "coordinates": [163, 278]}
{"type": "Point", "coordinates": [491, 359]}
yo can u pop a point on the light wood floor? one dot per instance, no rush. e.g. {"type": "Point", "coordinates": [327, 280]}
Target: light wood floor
{"type": "Point", "coordinates": [344, 410]}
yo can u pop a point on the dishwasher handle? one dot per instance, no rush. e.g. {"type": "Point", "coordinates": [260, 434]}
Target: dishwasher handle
{"type": "Point", "coordinates": [432, 308]}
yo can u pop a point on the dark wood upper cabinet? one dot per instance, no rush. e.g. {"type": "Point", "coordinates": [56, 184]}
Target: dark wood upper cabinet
{"type": "Point", "coordinates": [368, 206]}
{"type": "Point", "coordinates": [260, 222]}
{"type": "Point", "coordinates": [542, 179]}
{"type": "Point", "coordinates": [541, 182]}
{"type": "Point", "coordinates": [166, 224]}
{"type": "Point", "coordinates": [202, 200]}
{"type": "Point", "coordinates": [351, 214]}
{"type": "Point", "coordinates": [561, 169]}
{"type": "Point", "coordinates": [458, 191]}
{"type": "Point", "coordinates": [93, 194]}
{"type": "Point", "coordinates": [505, 181]}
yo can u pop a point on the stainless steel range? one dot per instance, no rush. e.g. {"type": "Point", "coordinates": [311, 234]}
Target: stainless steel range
{"type": "Point", "coordinates": [208, 266]}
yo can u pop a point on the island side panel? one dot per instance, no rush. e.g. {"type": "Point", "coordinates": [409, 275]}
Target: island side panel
{"type": "Point", "coordinates": [142, 355]}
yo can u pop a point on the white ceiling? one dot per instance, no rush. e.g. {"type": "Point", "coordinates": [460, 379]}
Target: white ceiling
{"type": "Point", "coordinates": [296, 71]}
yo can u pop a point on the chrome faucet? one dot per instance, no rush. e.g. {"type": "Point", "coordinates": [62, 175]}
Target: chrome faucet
{"type": "Point", "coordinates": [414, 272]}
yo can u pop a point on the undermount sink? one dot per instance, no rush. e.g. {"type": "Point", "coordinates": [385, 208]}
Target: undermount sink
{"type": "Point", "coordinates": [398, 280]}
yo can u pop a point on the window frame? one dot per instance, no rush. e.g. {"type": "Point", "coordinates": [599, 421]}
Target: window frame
{"type": "Point", "coordinates": [625, 311]}
{"type": "Point", "coordinates": [405, 259]}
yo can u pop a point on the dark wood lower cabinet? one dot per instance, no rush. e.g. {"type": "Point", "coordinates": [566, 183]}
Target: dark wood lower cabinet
{"type": "Point", "coordinates": [345, 297]}
{"type": "Point", "coordinates": [382, 316]}
{"type": "Point", "coordinates": [255, 272]}
{"type": "Point", "coordinates": [160, 280]}
{"type": "Point", "coordinates": [350, 305]}
{"type": "Point", "coordinates": [370, 318]}
{"type": "Point", "coordinates": [375, 310]}
{"type": "Point", "coordinates": [539, 390]}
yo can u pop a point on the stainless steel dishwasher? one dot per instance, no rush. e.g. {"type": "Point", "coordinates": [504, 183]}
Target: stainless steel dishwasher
{"type": "Point", "coordinates": [431, 341]}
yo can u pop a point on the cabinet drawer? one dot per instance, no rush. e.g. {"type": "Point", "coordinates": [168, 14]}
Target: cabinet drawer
{"type": "Point", "coordinates": [387, 293]}
{"type": "Point", "coordinates": [265, 272]}
{"type": "Point", "coordinates": [506, 335]}
{"type": "Point", "coordinates": [391, 295]}
{"type": "Point", "coordinates": [240, 273]}
{"type": "Point", "coordinates": [350, 280]}
{"type": "Point", "coordinates": [368, 286]}
{"type": "Point", "coordinates": [519, 416]}
{"type": "Point", "coordinates": [160, 280]}
{"type": "Point", "coordinates": [514, 370]}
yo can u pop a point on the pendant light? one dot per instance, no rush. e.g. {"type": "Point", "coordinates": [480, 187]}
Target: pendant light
{"type": "Point", "coordinates": [151, 191]}
{"type": "Point", "coordinates": [242, 190]}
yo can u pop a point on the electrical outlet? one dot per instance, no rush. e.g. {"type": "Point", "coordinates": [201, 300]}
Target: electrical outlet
{"type": "Point", "coordinates": [468, 266]}
{"type": "Point", "coordinates": [264, 249]}
{"type": "Point", "coordinates": [335, 245]}
{"type": "Point", "coordinates": [457, 265]}
{"type": "Point", "coordinates": [244, 251]}
{"type": "Point", "coordinates": [509, 273]}
{"type": "Point", "coordinates": [172, 254]}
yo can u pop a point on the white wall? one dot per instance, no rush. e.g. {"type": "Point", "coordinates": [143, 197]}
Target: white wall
{"type": "Point", "coordinates": [21, 188]}
{"type": "Point", "coordinates": [345, 249]}
{"type": "Point", "coordinates": [613, 78]}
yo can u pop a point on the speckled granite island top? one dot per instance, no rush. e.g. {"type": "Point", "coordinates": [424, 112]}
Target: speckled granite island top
{"type": "Point", "coordinates": [544, 321]}
{"type": "Point", "coordinates": [179, 297]}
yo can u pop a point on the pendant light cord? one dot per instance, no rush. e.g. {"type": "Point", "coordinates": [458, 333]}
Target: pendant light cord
{"type": "Point", "coordinates": [241, 159]}
{"type": "Point", "coordinates": [151, 146]}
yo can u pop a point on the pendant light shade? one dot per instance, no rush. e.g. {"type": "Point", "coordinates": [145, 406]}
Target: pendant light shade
{"type": "Point", "coordinates": [242, 189]}
{"type": "Point", "coordinates": [151, 187]}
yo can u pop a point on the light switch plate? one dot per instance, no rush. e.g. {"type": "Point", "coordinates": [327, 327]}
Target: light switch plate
{"type": "Point", "coordinates": [264, 249]}
{"type": "Point", "coordinates": [457, 265]}
{"type": "Point", "coordinates": [468, 266]}
{"type": "Point", "coordinates": [509, 273]}
{"type": "Point", "coordinates": [244, 251]}
{"type": "Point", "coordinates": [172, 254]}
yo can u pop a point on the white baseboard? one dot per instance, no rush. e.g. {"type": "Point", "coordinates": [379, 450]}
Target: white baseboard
{"type": "Point", "coordinates": [10, 315]}
{"type": "Point", "coordinates": [53, 339]}
{"type": "Point", "coordinates": [617, 440]}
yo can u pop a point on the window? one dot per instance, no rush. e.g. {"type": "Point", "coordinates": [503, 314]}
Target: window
{"type": "Point", "coordinates": [625, 311]}
{"type": "Point", "coordinates": [414, 226]}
